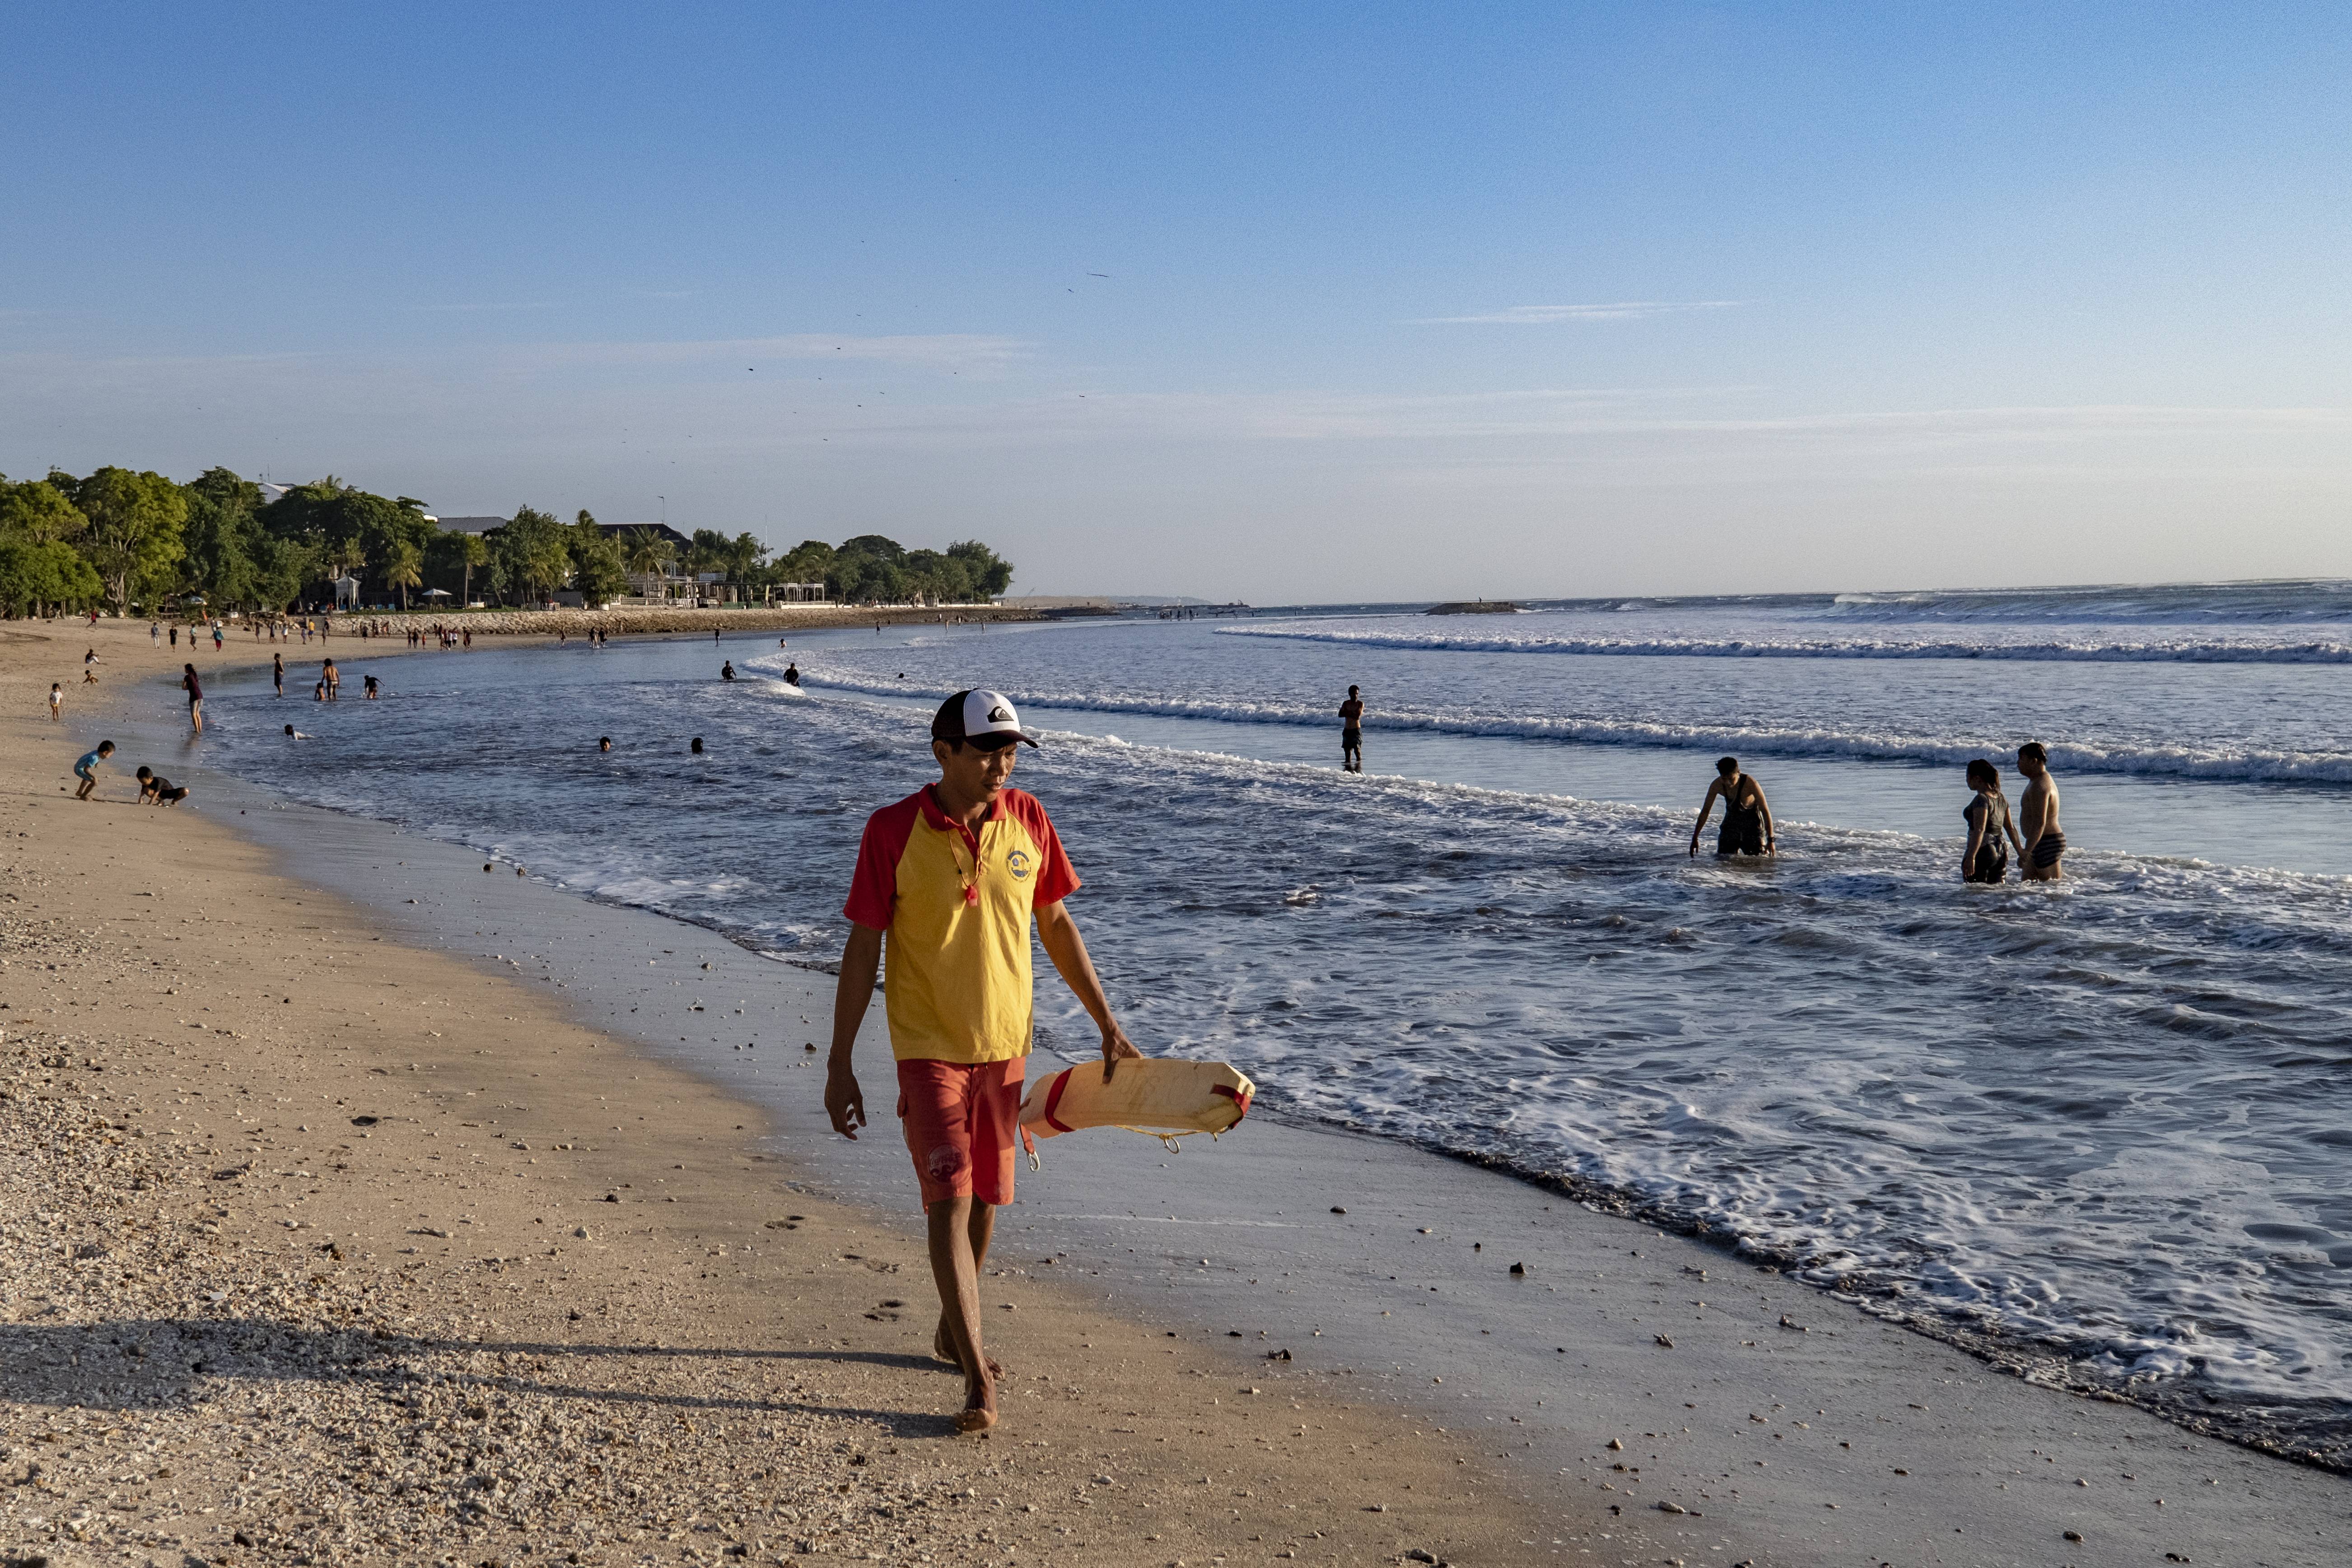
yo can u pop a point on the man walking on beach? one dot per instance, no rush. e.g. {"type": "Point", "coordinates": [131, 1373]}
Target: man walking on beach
{"type": "Point", "coordinates": [2037, 812]}
{"type": "Point", "coordinates": [953, 874]}
{"type": "Point", "coordinates": [1351, 733]}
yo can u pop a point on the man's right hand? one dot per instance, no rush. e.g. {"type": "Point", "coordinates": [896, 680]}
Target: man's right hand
{"type": "Point", "coordinates": [844, 1101]}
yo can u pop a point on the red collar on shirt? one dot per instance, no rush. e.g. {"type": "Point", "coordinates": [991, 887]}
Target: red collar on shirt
{"type": "Point", "coordinates": [937, 815]}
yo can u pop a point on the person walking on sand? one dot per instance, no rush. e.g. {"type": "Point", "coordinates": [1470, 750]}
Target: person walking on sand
{"type": "Point", "coordinates": [2037, 811]}
{"type": "Point", "coordinates": [953, 874]}
{"type": "Point", "coordinates": [1351, 733]}
{"type": "Point", "coordinates": [86, 768]}
{"type": "Point", "coordinates": [57, 699]}
{"type": "Point", "coordinates": [1747, 815]}
{"type": "Point", "coordinates": [1986, 859]}
{"type": "Point", "coordinates": [195, 691]}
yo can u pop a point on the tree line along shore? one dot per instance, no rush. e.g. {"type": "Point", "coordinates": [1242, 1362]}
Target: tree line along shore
{"type": "Point", "coordinates": [628, 620]}
{"type": "Point", "coordinates": [138, 543]}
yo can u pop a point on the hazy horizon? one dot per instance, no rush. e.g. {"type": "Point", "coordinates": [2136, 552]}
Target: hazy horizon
{"type": "Point", "coordinates": [1357, 305]}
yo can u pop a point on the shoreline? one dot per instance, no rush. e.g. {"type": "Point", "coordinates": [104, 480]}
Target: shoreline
{"type": "Point", "coordinates": [2034, 1361]}
{"type": "Point", "coordinates": [258, 1330]}
{"type": "Point", "coordinates": [1770, 1521]}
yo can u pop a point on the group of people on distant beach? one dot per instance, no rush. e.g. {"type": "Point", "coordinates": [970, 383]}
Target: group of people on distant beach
{"type": "Point", "coordinates": [1748, 816]}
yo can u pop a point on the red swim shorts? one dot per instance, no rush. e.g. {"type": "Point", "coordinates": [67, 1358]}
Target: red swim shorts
{"type": "Point", "coordinates": [963, 1125]}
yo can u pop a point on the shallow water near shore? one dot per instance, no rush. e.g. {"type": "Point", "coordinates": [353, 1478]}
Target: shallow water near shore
{"type": "Point", "coordinates": [2103, 1121]}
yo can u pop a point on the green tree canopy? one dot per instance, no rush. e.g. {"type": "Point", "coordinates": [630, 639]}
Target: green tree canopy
{"type": "Point", "coordinates": [597, 567]}
{"type": "Point", "coordinates": [232, 559]}
{"type": "Point", "coordinates": [807, 562]}
{"type": "Point", "coordinates": [38, 513]}
{"type": "Point", "coordinates": [345, 527]}
{"type": "Point", "coordinates": [135, 526]}
{"type": "Point", "coordinates": [532, 551]}
{"type": "Point", "coordinates": [42, 574]}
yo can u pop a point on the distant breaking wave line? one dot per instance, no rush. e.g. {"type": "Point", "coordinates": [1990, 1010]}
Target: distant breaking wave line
{"type": "Point", "coordinates": [2201, 651]}
{"type": "Point", "coordinates": [2212, 764]}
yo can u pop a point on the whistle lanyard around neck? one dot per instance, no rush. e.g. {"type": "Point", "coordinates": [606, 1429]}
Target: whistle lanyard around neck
{"type": "Point", "coordinates": [964, 846]}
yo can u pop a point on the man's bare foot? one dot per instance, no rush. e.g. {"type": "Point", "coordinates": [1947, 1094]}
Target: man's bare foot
{"type": "Point", "coordinates": [979, 1411]}
{"type": "Point", "coordinates": [943, 1347]}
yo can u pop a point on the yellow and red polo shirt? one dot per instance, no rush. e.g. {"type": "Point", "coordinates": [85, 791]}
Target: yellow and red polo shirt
{"type": "Point", "coordinates": [955, 906]}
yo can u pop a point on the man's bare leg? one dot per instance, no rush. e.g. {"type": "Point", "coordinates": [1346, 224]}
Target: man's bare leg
{"type": "Point", "coordinates": [978, 1232]}
{"type": "Point", "coordinates": [957, 1271]}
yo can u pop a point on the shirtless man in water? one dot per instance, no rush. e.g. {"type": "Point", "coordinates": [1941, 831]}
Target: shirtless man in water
{"type": "Point", "coordinates": [1351, 733]}
{"type": "Point", "coordinates": [2037, 815]}
{"type": "Point", "coordinates": [1747, 817]}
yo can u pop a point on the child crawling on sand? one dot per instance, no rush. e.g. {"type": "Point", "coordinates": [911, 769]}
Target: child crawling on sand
{"type": "Point", "coordinates": [154, 789]}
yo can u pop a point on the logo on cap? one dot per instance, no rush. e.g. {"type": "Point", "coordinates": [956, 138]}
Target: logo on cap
{"type": "Point", "coordinates": [999, 714]}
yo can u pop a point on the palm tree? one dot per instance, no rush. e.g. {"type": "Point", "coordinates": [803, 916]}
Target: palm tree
{"type": "Point", "coordinates": [650, 555]}
{"type": "Point", "coordinates": [474, 550]}
{"type": "Point", "coordinates": [405, 570]}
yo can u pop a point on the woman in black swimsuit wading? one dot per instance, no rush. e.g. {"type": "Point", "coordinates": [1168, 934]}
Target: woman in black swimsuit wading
{"type": "Point", "coordinates": [1986, 859]}
{"type": "Point", "coordinates": [1747, 816]}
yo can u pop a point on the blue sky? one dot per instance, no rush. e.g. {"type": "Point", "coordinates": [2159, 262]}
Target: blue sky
{"type": "Point", "coordinates": [1276, 302]}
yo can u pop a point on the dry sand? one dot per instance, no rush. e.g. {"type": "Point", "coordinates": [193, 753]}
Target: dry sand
{"type": "Point", "coordinates": [358, 1343]}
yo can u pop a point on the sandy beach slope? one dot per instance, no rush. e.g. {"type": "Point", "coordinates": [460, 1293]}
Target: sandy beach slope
{"type": "Point", "coordinates": [390, 1340]}
{"type": "Point", "coordinates": [321, 1248]}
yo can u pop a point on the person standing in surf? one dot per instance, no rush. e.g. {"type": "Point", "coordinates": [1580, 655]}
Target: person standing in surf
{"type": "Point", "coordinates": [195, 691]}
{"type": "Point", "coordinates": [1351, 733]}
{"type": "Point", "coordinates": [2037, 811]}
{"type": "Point", "coordinates": [953, 875]}
{"type": "Point", "coordinates": [1986, 859]}
{"type": "Point", "coordinates": [1747, 816]}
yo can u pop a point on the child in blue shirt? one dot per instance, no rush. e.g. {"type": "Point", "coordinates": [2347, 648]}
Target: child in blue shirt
{"type": "Point", "coordinates": [86, 769]}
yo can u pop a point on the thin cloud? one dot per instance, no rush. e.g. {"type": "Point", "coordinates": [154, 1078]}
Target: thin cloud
{"type": "Point", "coordinates": [1550, 315]}
{"type": "Point", "coordinates": [952, 350]}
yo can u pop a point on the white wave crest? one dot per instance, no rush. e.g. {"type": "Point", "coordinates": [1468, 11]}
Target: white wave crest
{"type": "Point", "coordinates": [2217, 764]}
{"type": "Point", "coordinates": [2080, 650]}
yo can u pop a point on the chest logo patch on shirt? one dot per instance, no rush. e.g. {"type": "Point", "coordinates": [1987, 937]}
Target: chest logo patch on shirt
{"type": "Point", "coordinates": [1017, 863]}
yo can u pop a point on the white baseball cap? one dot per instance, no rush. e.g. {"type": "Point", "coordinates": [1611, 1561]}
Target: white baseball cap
{"type": "Point", "coordinates": [969, 715]}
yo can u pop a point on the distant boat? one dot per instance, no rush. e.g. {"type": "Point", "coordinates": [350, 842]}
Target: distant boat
{"type": "Point", "coordinates": [1475, 608]}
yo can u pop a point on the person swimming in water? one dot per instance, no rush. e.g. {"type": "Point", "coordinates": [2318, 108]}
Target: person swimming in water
{"type": "Point", "coordinates": [1747, 816]}
{"type": "Point", "coordinates": [791, 675]}
{"type": "Point", "coordinates": [2037, 811]}
{"type": "Point", "coordinates": [603, 742]}
{"type": "Point", "coordinates": [1986, 858]}
{"type": "Point", "coordinates": [726, 670]}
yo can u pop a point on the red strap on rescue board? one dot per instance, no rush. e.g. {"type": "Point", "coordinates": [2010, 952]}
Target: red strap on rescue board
{"type": "Point", "coordinates": [1230, 1093]}
{"type": "Point", "coordinates": [1054, 1097]}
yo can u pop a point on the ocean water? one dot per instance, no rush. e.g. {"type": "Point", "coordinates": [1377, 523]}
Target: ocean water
{"type": "Point", "coordinates": [2104, 1127]}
